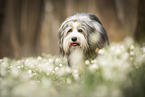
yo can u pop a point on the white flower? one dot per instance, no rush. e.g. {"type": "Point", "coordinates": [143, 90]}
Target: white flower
{"type": "Point", "coordinates": [132, 47]}
{"type": "Point", "coordinates": [57, 60]}
{"type": "Point", "coordinates": [118, 51]}
{"type": "Point", "coordinates": [93, 67]}
{"type": "Point", "coordinates": [76, 76]}
{"type": "Point", "coordinates": [61, 71]}
{"type": "Point", "coordinates": [75, 71]}
{"type": "Point", "coordinates": [60, 65]}
{"type": "Point", "coordinates": [48, 73]}
{"type": "Point", "coordinates": [94, 61]}
{"type": "Point", "coordinates": [39, 58]}
{"type": "Point", "coordinates": [87, 62]}
{"type": "Point", "coordinates": [50, 60]}
{"type": "Point", "coordinates": [30, 71]}
{"type": "Point", "coordinates": [53, 71]}
{"type": "Point", "coordinates": [56, 68]}
{"type": "Point", "coordinates": [101, 51]}
{"type": "Point", "coordinates": [132, 53]}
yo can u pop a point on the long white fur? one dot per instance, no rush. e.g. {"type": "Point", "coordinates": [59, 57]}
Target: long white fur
{"type": "Point", "coordinates": [80, 37]}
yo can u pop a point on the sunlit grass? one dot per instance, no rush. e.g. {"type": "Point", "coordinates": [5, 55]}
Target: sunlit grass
{"type": "Point", "coordinates": [118, 71]}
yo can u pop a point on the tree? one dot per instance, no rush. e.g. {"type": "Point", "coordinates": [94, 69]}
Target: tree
{"type": "Point", "coordinates": [140, 30]}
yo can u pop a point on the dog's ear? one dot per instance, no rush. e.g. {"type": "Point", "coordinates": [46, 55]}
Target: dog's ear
{"type": "Point", "coordinates": [95, 18]}
{"type": "Point", "coordinates": [61, 51]}
{"type": "Point", "coordinates": [98, 27]}
{"type": "Point", "coordinates": [60, 37]}
{"type": "Point", "coordinates": [103, 38]}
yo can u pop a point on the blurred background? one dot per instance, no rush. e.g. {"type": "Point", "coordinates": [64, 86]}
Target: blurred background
{"type": "Point", "coordinates": [30, 27]}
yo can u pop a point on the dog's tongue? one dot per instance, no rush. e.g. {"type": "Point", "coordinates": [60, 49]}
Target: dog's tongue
{"type": "Point", "coordinates": [75, 44]}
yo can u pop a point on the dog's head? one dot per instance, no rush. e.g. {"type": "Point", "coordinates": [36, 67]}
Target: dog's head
{"type": "Point", "coordinates": [84, 31]}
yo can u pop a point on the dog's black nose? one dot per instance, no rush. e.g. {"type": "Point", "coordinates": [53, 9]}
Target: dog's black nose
{"type": "Point", "coordinates": [74, 38]}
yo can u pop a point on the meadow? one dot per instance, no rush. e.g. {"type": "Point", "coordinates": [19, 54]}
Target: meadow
{"type": "Point", "coordinates": [117, 71]}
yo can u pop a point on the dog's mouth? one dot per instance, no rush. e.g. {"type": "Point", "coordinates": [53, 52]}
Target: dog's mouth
{"type": "Point", "coordinates": [75, 44]}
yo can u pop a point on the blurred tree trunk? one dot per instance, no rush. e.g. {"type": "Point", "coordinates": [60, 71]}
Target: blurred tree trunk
{"type": "Point", "coordinates": [2, 6]}
{"type": "Point", "coordinates": [48, 29]}
{"type": "Point", "coordinates": [140, 30]}
{"type": "Point", "coordinates": [21, 27]}
{"type": "Point", "coordinates": [119, 17]}
{"type": "Point", "coordinates": [109, 18]}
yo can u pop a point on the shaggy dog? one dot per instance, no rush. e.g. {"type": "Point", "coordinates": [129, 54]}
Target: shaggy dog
{"type": "Point", "coordinates": [82, 32]}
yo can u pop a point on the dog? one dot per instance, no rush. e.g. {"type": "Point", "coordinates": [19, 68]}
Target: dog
{"type": "Point", "coordinates": [81, 32]}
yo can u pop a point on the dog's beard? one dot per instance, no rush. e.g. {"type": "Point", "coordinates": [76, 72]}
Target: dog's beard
{"type": "Point", "coordinates": [69, 45]}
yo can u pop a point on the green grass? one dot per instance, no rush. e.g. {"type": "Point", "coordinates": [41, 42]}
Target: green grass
{"type": "Point", "coordinates": [118, 71]}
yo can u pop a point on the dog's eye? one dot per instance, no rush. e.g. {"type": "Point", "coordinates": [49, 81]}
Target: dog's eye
{"type": "Point", "coordinates": [70, 30]}
{"type": "Point", "coordinates": [80, 30]}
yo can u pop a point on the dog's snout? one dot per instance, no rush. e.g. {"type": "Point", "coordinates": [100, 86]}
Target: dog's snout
{"type": "Point", "coordinates": [74, 38]}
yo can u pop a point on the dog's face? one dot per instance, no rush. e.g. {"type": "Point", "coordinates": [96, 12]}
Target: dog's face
{"type": "Point", "coordinates": [74, 37]}
{"type": "Point", "coordinates": [83, 31]}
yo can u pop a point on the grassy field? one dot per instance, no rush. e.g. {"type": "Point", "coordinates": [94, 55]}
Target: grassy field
{"type": "Point", "coordinates": [118, 71]}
